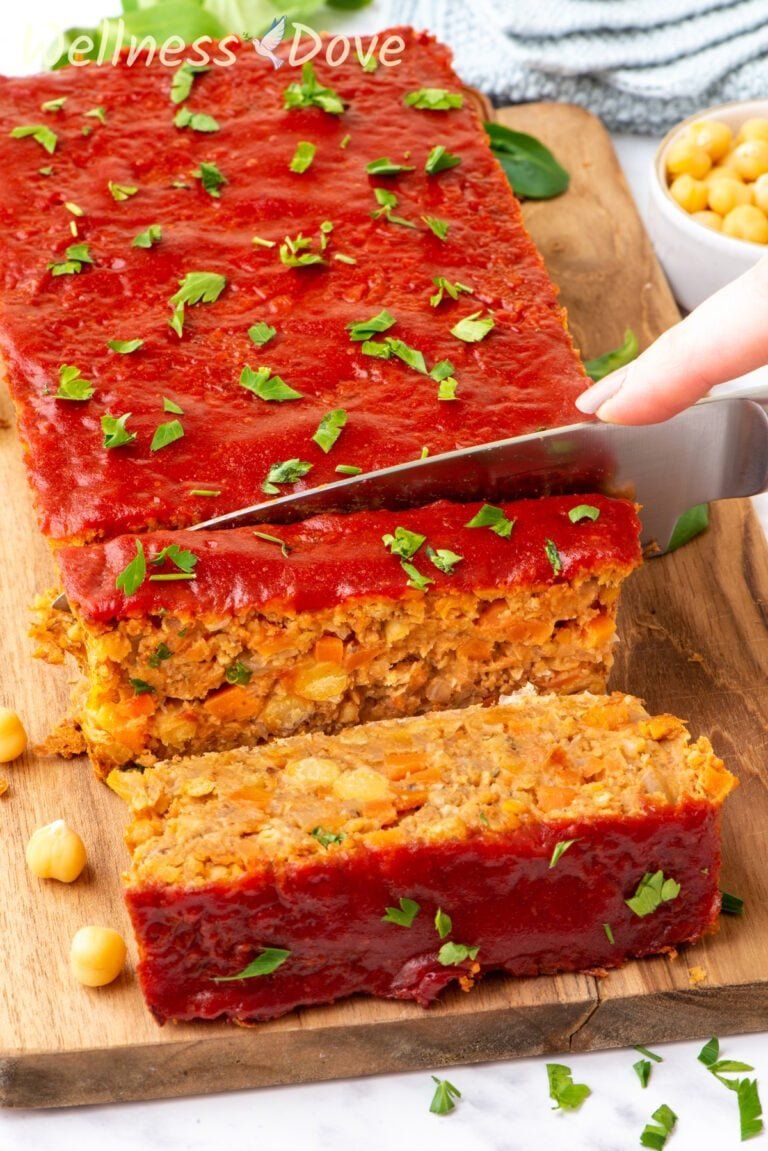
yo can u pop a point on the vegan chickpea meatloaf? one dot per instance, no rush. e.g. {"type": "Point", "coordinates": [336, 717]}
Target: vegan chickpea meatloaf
{"type": "Point", "coordinates": [244, 280]}
{"type": "Point", "coordinates": [199, 642]}
{"type": "Point", "coordinates": [544, 834]}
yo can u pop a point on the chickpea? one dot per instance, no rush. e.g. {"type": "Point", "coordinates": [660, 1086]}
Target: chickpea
{"type": "Point", "coordinates": [13, 738]}
{"type": "Point", "coordinates": [709, 219]}
{"type": "Point", "coordinates": [685, 158]}
{"type": "Point", "coordinates": [755, 129]}
{"type": "Point", "coordinates": [56, 852]}
{"type": "Point", "coordinates": [713, 136]}
{"type": "Point", "coordinates": [751, 159]}
{"type": "Point", "coordinates": [690, 194]}
{"type": "Point", "coordinates": [747, 222]}
{"type": "Point", "coordinates": [721, 172]}
{"type": "Point", "coordinates": [725, 195]}
{"type": "Point", "coordinates": [96, 956]}
{"type": "Point", "coordinates": [760, 192]}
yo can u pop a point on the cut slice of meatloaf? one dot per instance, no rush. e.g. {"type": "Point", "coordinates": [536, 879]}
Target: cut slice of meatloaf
{"type": "Point", "coordinates": [195, 642]}
{"type": "Point", "coordinates": [544, 834]}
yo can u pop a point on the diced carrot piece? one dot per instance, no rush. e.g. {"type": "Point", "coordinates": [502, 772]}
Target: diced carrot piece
{"type": "Point", "coordinates": [360, 658]}
{"type": "Point", "coordinates": [476, 649]}
{"type": "Point", "coordinates": [661, 727]}
{"type": "Point", "coordinates": [274, 645]}
{"type": "Point", "coordinates": [599, 631]}
{"type": "Point", "coordinates": [232, 704]}
{"type": "Point", "coordinates": [329, 649]}
{"type": "Point", "coordinates": [136, 707]}
{"type": "Point", "coordinates": [408, 800]}
{"type": "Point", "coordinates": [260, 796]}
{"type": "Point", "coordinates": [401, 763]}
{"type": "Point", "coordinates": [527, 630]}
{"type": "Point", "coordinates": [551, 798]}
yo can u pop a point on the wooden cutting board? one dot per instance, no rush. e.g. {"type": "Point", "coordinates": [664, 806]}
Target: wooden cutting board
{"type": "Point", "coordinates": [694, 630]}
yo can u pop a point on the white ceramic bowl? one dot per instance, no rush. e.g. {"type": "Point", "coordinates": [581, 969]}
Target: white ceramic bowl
{"type": "Point", "coordinates": [697, 260]}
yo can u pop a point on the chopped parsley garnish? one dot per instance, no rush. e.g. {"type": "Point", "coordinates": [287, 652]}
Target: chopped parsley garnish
{"type": "Point", "coordinates": [284, 548]}
{"type": "Point", "coordinates": [655, 1134]}
{"type": "Point", "coordinates": [440, 159]}
{"type": "Point", "coordinates": [75, 209]}
{"type": "Point", "coordinates": [567, 1095]}
{"type": "Point", "coordinates": [731, 904]}
{"type": "Point", "coordinates": [76, 256]}
{"type": "Point", "coordinates": [443, 923]}
{"type": "Point", "coordinates": [453, 954]}
{"type": "Point", "coordinates": [474, 328]}
{"type": "Point", "coordinates": [443, 1100]}
{"type": "Point", "coordinates": [266, 386]}
{"type": "Point", "coordinates": [433, 99]}
{"type": "Point", "coordinates": [329, 429]}
{"type": "Point", "coordinates": [130, 579]}
{"type": "Point", "coordinates": [181, 558]}
{"type": "Point", "coordinates": [403, 915]}
{"type": "Point", "coordinates": [347, 470]}
{"type": "Point", "coordinates": [443, 559]}
{"type": "Point", "coordinates": [416, 579]}
{"type": "Point", "coordinates": [285, 472]}
{"type": "Point", "coordinates": [161, 653]}
{"type": "Point", "coordinates": [211, 178]}
{"type": "Point", "coordinates": [553, 555]}
{"type": "Point", "coordinates": [560, 850]}
{"type": "Point", "coordinates": [140, 686]}
{"type": "Point", "coordinates": [493, 518]}
{"type": "Point", "coordinates": [438, 227]}
{"type": "Point", "coordinates": [166, 434]}
{"type": "Point", "coordinates": [205, 492]}
{"type": "Point", "coordinates": [403, 543]}
{"type": "Point", "coordinates": [53, 105]}
{"type": "Point", "coordinates": [296, 252]}
{"type": "Point", "coordinates": [72, 386]}
{"type": "Point", "coordinates": [447, 389]}
{"type": "Point", "coordinates": [303, 156]}
{"type": "Point", "coordinates": [124, 347]}
{"type": "Point", "coordinates": [446, 288]}
{"type": "Point", "coordinates": [387, 201]}
{"type": "Point", "coordinates": [652, 890]}
{"type": "Point", "coordinates": [238, 673]}
{"type": "Point", "coordinates": [197, 121]}
{"type": "Point", "coordinates": [99, 113]}
{"type": "Point", "coordinates": [386, 167]}
{"type": "Point", "coordinates": [648, 1054]}
{"type": "Point", "coordinates": [170, 406]}
{"type": "Point", "coordinates": [310, 94]}
{"type": "Point", "coordinates": [116, 435]}
{"type": "Point", "coordinates": [410, 356]}
{"type": "Point", "coordinates": [267, 961]}
{"type": "Point", "coordinates": [152, 235]}
{"type": "Point", "coordinates": [120, 192]}
{"type": "Point", "coordinates": [344, 142]}
{"type": "Point", "coordinates": [45, 137]}
{"type": "Point", "coordinates": [260, 242]}
{"type": "Point", "coordinates": [261, 333]}
{"type": "Point", "coordinates": [195, 288]}
{"type": "Point", "coordinates": [609, 933]}
{"type": "Point", "coordinates": [583, 512]}
{"type": "Point", "coordinates": [364, 329]}
{"type": "Point", "coordinates": [326, 838]}
{"type": "Point", "coordinates": [47, 171]}
{"type": "Point", "coordinates": [184, 78]}
{"type": "Point", "coordinates": [643, 1071]}
{"type": "Point", "coordinates": [343, 258]}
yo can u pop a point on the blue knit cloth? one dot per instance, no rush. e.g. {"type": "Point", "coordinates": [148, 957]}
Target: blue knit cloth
{"type": "Point", "coordinates": [642, 65]}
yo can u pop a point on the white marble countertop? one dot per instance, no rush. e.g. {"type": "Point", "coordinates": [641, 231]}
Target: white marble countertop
{"type": "Point", "coordinates": [504, 1106]}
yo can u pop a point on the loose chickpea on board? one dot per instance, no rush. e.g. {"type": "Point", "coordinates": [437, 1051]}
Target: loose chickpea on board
{"type": "Point", "coordinates": [56, 852]}
{"type": "Point", "coordinates": [722, 181]}
{"type": "Point", "coordinates": [13, 737]}
{"type": "Point", "coordinates": [96, 956]}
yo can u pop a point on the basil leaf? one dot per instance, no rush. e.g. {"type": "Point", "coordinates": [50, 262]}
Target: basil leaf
{"type": "Point", "coordinates": [531, 168]}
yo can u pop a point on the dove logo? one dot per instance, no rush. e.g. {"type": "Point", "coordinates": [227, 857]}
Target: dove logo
{"type": "Point", "coordinates": [272, 38]}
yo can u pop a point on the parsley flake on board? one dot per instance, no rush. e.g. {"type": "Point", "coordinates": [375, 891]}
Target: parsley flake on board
{"type": "Point", "coordinates": [184, 78]}
{"type": "Point", "coordinates": [285, 472]}
{"type": "Point", "coordinates": [45, 137]}
{"type": "Point", "coordinates": [166, 434]}
{"type": "Point", "coordinates": [443, 923]}
{"type": "Point", "coordinates": [211, 178]}
{"type": "Point", "coordinates": [266, 386]}
{"type": "Point", "coordinates": [310, 94]}
{"type": "Point", "coordinates": [329, 429]}
{"type": "Point", "coordinates": [433, 99]}
{"type": "Point", "coordinates": [652, 890]}
{"type": "Point", "coordinates": [443, 1100]}
{"type": "Point", "coordinates": [567, 1095]}
{"type": "Point", "coordinates": [493, 518]}
{"type": "Point", "coordinates": [171, 406]}
{"type": "Point", "coordinates": [443, 559]}
{"type": "Point", "coordinates": [446, 288]}
{"type": "Point", "coordinates": [284, 548]}
{"type": "Point", "coordinates": [261, 333]}
{"type": "Point", "coordinates": [648, 1054]}
{"type": "Point", "coordinates": [146, 239]}
{"type": "Point", "coordinates": [438, 227]}
{"type": "Point", "coordinates": [303, 156]}
{"type": "Point", "coordinates": [76, 256]}
{"type": "Point", "coordinates": [116, 435]}
{"type": "Point", "coordinates": [643, 1071]}
{"type": "Point", "coordinates": [403, 915]}
{"type": "Point", "coordinates": [655, 1134]}
{"type": "Point", "coordinates": [440, 160]}
{"type": "Point", "coordinates": [238, 673]}
{"type": "Point", "coordinates": [583, 512]}
{"type": "Point", "coordinates": [386, 167]}
{"type": "Point", "coordinates": [197, 121]}
{"type": "Point", "coordinates": [473, 328]}
{"type": "Point", "coordinates": [195, 288]}
{"type": "Point", "coordinates": [453, 954]}
{"type": "Point", "coordinates": [553, 555]}
{"type": "Point", "coordinates": [124, 347]}
{"type": "Point", "coordinates": [364, 329]}
{"type": "Point", "coordinates": [121, 192]}
{"type": "Point", "coordinates": [731, 904]}
{"type": "Point", "coordinates": [130, 579]}
{"type": "Point", "coordinates": [326, 838]}
{"type": "Point", "coordinates": [267, 961]}
{"type": "Point", "coordinates": [387, 201]}
{"type": "Point", "coordinates": [560, 850]}
{"type": "Point", "coordinates": [72, 386]}
{"type": "Point", "coordinates": [750, 1108]}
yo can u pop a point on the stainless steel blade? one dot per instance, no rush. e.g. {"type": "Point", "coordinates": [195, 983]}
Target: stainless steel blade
{"type": "Point", "coordinates": [713, 450]}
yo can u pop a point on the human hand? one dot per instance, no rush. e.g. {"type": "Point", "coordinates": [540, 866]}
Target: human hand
{"type": "Point", "coordinates": [723, 338]}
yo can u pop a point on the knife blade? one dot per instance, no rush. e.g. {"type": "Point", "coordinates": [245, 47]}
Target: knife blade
{"type": "Point", "coordinates": [716, 449]}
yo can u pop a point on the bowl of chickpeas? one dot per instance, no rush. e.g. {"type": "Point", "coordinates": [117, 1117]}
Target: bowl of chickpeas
{"type": "Point", "coordinates": [708, 211]}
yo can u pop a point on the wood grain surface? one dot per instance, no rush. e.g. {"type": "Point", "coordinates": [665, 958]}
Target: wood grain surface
{"type": "Point", "coordinates": [694, 641]}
